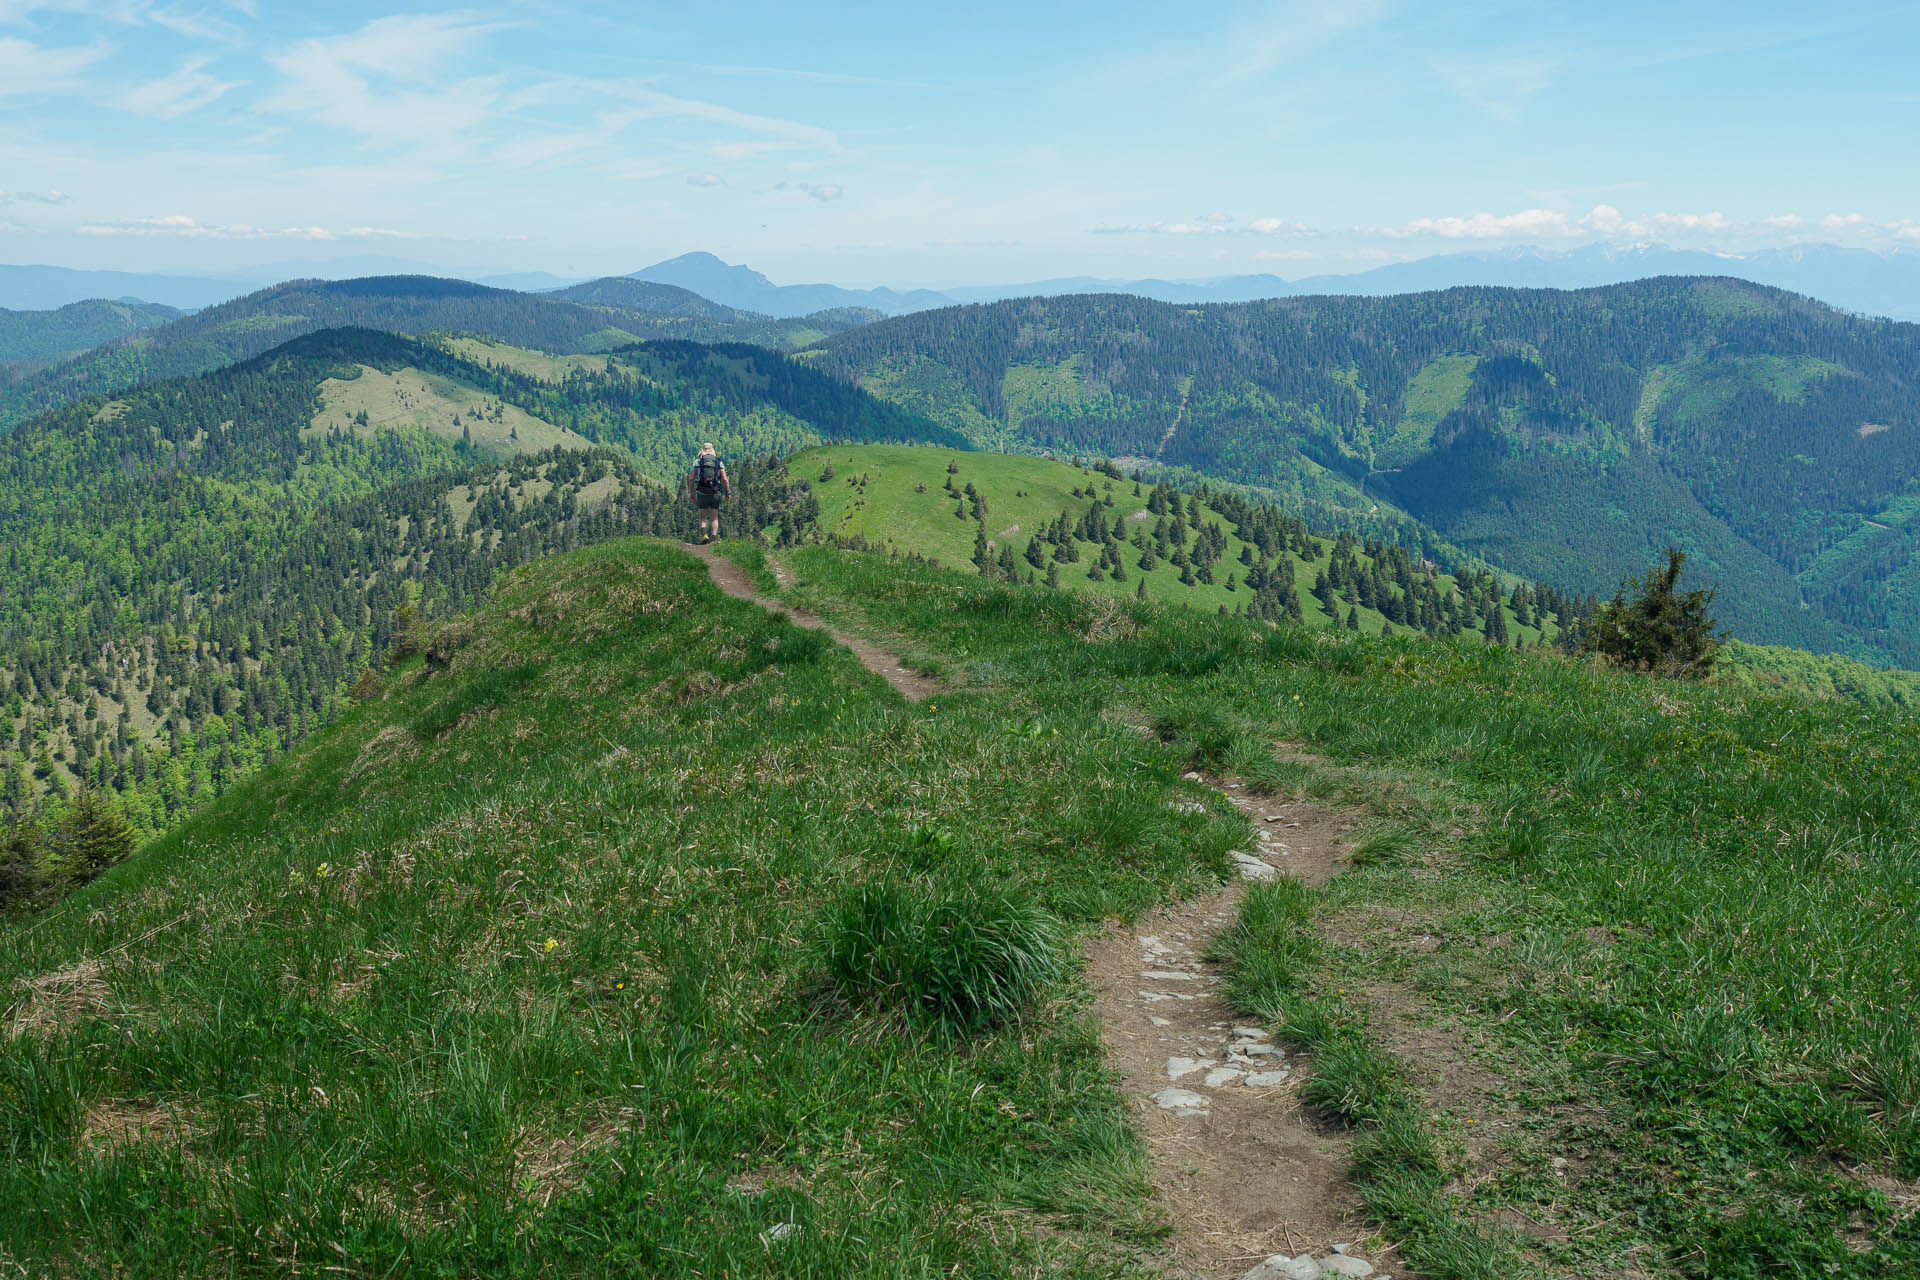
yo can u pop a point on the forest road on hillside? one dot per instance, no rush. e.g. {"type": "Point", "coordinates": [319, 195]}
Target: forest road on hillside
{"type": "Point", "coordinates": [732, 579]}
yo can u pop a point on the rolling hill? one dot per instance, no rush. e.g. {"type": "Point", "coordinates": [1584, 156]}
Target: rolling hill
{"type": "Point", "coordinates": [1566, 437]}
{"type": "Point", "coordinates": [36, 335]}
{"type": "Point", "coordinates": [246, 327]}
{"type": "Point", "coordinates": [1021, 518]}
{"type": "Point", "coordinates": [191, 573]}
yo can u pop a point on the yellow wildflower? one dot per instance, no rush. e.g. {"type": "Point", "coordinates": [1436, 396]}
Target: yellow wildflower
{"type": "Point", "coordinates": [551, 944]}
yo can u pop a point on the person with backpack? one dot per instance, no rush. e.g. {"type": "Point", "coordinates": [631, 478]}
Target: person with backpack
{"type": "Point", "coordinates": [707, 483]}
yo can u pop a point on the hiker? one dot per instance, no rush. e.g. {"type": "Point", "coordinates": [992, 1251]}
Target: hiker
{"type": "Point", "coordinates": [707, 483]}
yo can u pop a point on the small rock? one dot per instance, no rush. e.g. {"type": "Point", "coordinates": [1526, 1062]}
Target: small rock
{"type": "Point", "coordinates": [1177, 1067]}
{"type": "Point", "coordinates": [1159, 1022]}
{"type": "Point", "coordinates": [1250, 1033]}
{"type": "Point", "coordinates": [1190, 776]}
{"type": "Point", "coordinates": [1341, 1264]}
{"type": "Point", "coordinates": [779, 1231]}
{"type": "Point", "coordinates": [1281, 1267]}
{"type": "Point", "coordinates": [1257, 1050]}
{"type": "Point", "coordinates": [1165, 975]}
{"type": "Point", "coordinates": [1182, 1102]}
{"type": "Point", "coordinates": [1257, 871]}
{"type": "Point", "coordinates": [1162, 995]}
{"type": "Point", "coordinates": [1340, 1248]}
{"type": "Point", "coordinates": [1267, 1079]}
{"type": "Point", "coordinates": [1222, 1076]}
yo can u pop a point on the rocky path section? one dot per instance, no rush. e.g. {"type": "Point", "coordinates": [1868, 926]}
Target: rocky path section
{"type": "Point", "coordinates": [1255, 1185]}
{"type": "Point", "coordinates": [730, 578]}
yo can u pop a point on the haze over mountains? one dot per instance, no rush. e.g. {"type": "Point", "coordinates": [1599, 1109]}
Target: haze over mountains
{"type": "Point", "coordinates": [1858, 280]}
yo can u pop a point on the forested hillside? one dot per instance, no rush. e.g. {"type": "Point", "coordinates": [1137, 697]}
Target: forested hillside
{"type": "Point", "coordinates": [246, 327]}
{"type": "Point", "coordinates": [1565, 436]}
{"type": "Point", "coordinates": [32, 335]}
{"type": "Point", "coordinates": [193, 572]}
{"type": "Point", "coordinates": [1018, 518]}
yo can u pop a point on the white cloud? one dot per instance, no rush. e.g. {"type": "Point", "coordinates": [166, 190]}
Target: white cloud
{"type": "Point", "coordinates": [705, 180]}
{"type": "Point", "coordinates": [179, 224]}
{"type": "Point", "coordinates": [171, 96]}
{"type": "Point", "coordinates": [26, 68]}
{"type": "Point", "coordinates": [1487, 226]}
{"type": "Point", "coordinates": [36, 197]}
{"type": "Point", "coordinates": [385, 81]}
{"type": "Point", "coordinates": [821, 191]}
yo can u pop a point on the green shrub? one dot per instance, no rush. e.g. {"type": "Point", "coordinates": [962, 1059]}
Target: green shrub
{"type": "Point", "coordinates": [1661, 630]}
{"type": "Point", "coordinates": [962, 956]}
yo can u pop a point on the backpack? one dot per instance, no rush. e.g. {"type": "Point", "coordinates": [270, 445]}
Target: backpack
{"type": "Point", "coordinates": [706, 473]}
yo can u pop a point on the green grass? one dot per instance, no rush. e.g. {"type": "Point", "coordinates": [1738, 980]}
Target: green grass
{"type": "Point", "coordinates": [523, 969]}
{"type": "Point", "coordinates": [539, 965]}
{"type": "Point", "coordinates": [1674, 921]}
{"type": "Point", "coordinates": [874, 495]}
{"type": "Point", "coordinates": [1436, 390]}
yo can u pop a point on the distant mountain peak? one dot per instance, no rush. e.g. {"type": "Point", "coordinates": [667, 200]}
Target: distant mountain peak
{"type": "Point", "coordinates": [742, 287]}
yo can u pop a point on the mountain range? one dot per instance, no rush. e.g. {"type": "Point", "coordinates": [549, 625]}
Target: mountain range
{"type": "Point", "coordinates": [1565, 436]}
{"type": "Point", "coordinates": [1885, 284]}
{"type": "Point", "coordinates": [595, 317]}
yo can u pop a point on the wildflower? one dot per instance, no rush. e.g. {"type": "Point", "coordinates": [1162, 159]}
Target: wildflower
{"type": "Point", "coordinates": [619, 986]}
{"type": "Point", "coordinates": [320, 872]}
{"type": "Point", "coordinates": [551, 944]}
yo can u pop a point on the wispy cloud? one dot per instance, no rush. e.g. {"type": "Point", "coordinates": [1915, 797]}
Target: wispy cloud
{"type": "Point", "coordinates": [647, 103]}
{"type": "Point", "coordinates": [389, 80]}
{"type": "Point", "coordinates": [824, 192]}
{"type": "Point", "coordinates": [705, 180]}
{"type": "Point", "coordinates": [1604, 223]}
{"type": "Point", "coordinates": [181, 225]}
{"type": "Point", "coordinates": [35, 197]}
{"type": "Point", "coordinates": [171, 96]}
{"type": "Point", "coordinates": [27, 68]}
{"type": "Point", "coordinates": [799, 73]}
{"type": "Point", "coordinates": [1499, 82]}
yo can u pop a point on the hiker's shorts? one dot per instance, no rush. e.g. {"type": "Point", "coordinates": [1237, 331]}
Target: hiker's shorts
{"type": "Point", "coordinates": [706, 501]}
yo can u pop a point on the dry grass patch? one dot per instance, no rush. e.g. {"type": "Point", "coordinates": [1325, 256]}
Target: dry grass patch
{"type": "Point", "coordinates": [55, 1001]}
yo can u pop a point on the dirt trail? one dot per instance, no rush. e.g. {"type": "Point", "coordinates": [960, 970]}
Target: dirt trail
{"type": "Point", "coordinates": [1247, 1171]}
{"type": "Point", "coordinates": [730, 578]}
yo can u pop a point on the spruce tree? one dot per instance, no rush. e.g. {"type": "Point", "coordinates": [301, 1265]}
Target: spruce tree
{"type": "Point", "coordinates": [97, 834]}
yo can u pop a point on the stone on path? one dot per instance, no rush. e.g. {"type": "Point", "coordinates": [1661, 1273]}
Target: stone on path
{"type": "Point", "coordinates": [1281, 1267]}
{"type": "Point", "coordinates": [1222, 1076]}
{"type": "Point", "coordinates": [1341, 1264]}
{"type": "Point", "coordinates": [1182, 1102]}
{"type": "Point", "coordinates": [1267, 1079]}
{"type": "Point", "coordinates": [1177, 1067]}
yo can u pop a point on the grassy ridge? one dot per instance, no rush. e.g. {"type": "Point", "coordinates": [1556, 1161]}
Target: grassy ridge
{"type": "Point", "coordinates": [518, 970]}
{"type": "Point", "coordinates": [874, 495]}
{"type": "Point", "coordinates": [1672, 927]}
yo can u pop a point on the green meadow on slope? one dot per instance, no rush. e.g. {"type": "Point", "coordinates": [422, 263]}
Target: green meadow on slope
{"type": "Point", "coordinates": [540, 962]}
{"type": "Point", "coordinates": [915, 500]}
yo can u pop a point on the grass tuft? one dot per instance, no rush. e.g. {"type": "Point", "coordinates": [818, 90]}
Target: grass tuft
{"type": "Point", "coordinates": [961, 956]}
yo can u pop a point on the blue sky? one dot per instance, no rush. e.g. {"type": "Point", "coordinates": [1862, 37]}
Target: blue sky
{"type": "Point", "coordinates": [947, 144]}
